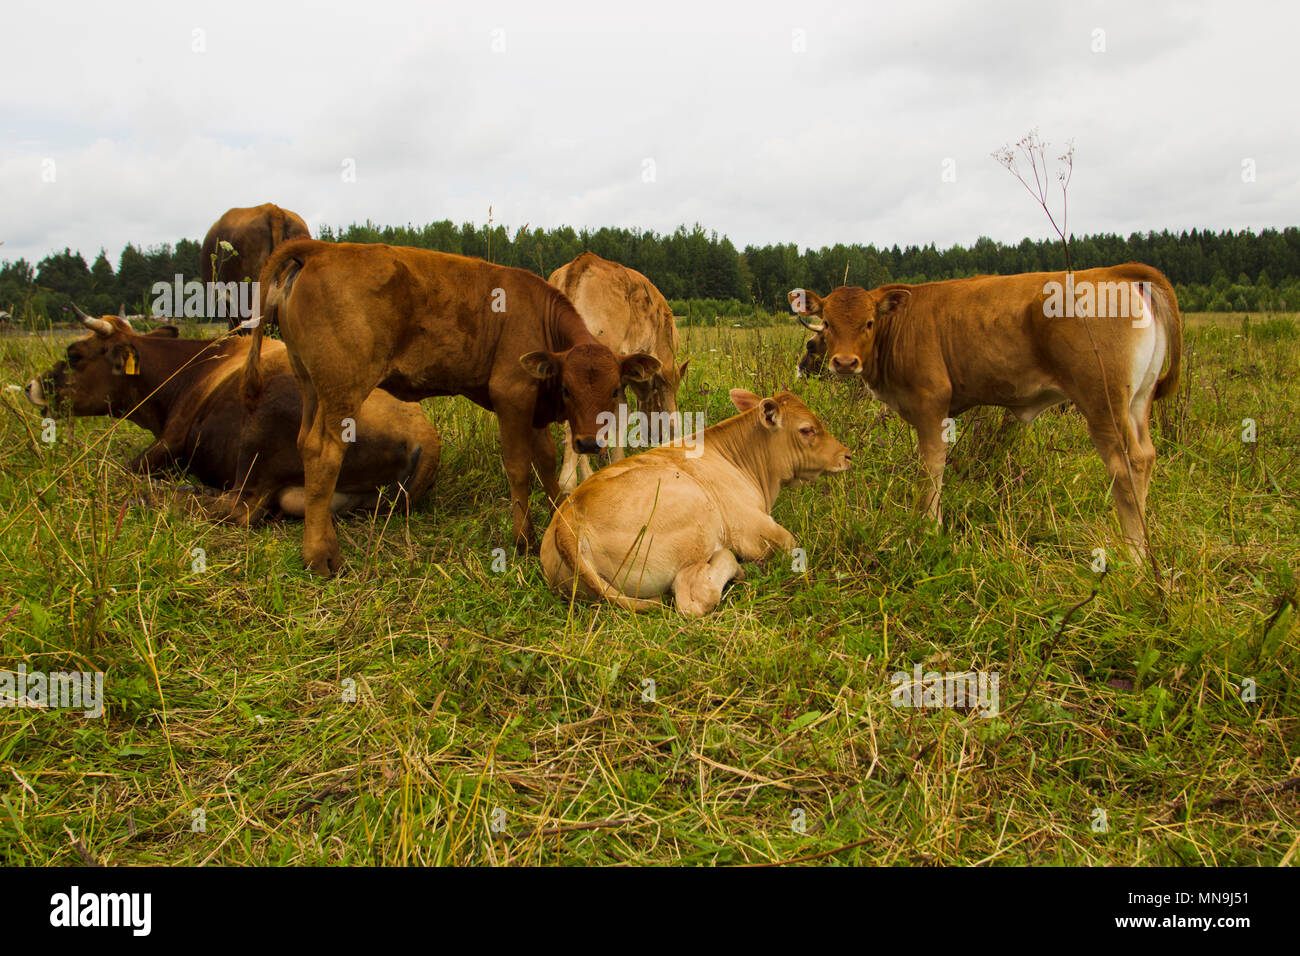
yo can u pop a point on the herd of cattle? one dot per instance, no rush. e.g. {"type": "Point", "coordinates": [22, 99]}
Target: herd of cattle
{"type": "Point", "coordinates": [370, 330]}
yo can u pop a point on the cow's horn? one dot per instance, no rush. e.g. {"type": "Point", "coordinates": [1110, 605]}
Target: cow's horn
{"type": "Point", "coordinates": [121, 315]}
{"type": "Point", "coordinates": [99, 326]}
{"type": "Point", "coordinates": [808, 325]}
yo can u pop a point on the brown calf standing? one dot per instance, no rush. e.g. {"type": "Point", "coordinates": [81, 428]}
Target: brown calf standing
{"type": "Point", "coordinates": [1099, 338]}
{"type": "Point", "coordinates": [418, 323]}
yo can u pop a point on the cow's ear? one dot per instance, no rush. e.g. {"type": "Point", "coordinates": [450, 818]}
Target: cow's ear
{"type": "Point", "coordinates": [805, 302]}
{"type": "Point", "coordinates": [769, 414]}
{"type": "Point", "coordinates": [123, 322]}
{"type": "Point", "coordinates": [743, 400]}
{"type": "Point", "coordinates": [638, 367]}
{"type": "Point", "coordinates": [126, 360]}
{"type": "Point", "coordinates": [892, 303]}
{"type": "Point", "coordinates": [541, 365]}
{"type": "Point", "coordinates": [166, 332]}
{"type": "Point", "coordinates": [681, 371]}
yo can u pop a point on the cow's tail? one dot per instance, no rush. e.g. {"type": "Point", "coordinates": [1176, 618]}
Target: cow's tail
{"type": "Point", "coordinates": [566, 543]}
{"type": "Point", "coordinates": [272, 301]}
{"type": "Point", "coordinates": [276, 223]}
{"type": "Point", "coordinates": [1165, 304]}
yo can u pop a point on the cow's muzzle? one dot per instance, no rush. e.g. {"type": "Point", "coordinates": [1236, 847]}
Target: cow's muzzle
{"type": "Point", "coordinates": [35, 393]}
{"type": "Point", "coordinates": [586, 446]}
{"type": "Point", "coordinates": [846, 364]}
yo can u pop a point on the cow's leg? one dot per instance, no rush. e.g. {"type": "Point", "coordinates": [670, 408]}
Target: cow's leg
{"type": "Point", "coordinates": [934, 455]}
{"type": "Point", "coordinates": [517, 451]}
{"type": "Point", "coordinates": [697, 588]}
{"type": "Point", "coordinates": [322, 457]}
{"type": "Point", "coordinates": [617, 451]}
{"type": "Point", "coordinates": [245, 509]}
{"type": "Point", "coordinates": [1129, 462]}
{"type": "Point", "coordinates": [157, 457]}
{"type": "Point", "coordinates": [1146, 449]}
{"type": "Point", "coordinates": [544, 462]}
{"type": "Point", "coordinates": [576, 468]}
{"type": "Point", "coordinates": [163, 453]}
{"type": "Point", "coordinates": [569, 477]}
{"type": "Point", "coordinates": [308, 390]}
{"type": "Point", "coordinates": [761, 538]}
{"type": "Point", "coordinates": [292, 501]}
{"type": "Point", "coordinates": [429, 453]}
{"type": "Point", "coordinates": [320, 443]}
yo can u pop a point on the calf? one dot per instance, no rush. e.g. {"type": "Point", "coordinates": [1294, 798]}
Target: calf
{"type": "Point", "coordinates": [187, 393]}
{"type": "Point", "coordinates": [812, 361]}
{"type": "Point", "coordinates": [1099, 338]}
{"type": "Point", "coordinates": [666, 520]}
{"type": "Point", "coordinates": [624, 310]}
{"type": "Point", "coordinates": [420, 323]}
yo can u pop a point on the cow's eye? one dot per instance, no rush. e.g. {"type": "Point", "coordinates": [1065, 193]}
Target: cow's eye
{"type": "Point", "coordinates": [74, 355]}
{"type": "Point", "coordinates": [564, 390]}
{"type": "Point", "coordinates": [615, 395]}
{"type": "Point", "coordinates": [808, 431]}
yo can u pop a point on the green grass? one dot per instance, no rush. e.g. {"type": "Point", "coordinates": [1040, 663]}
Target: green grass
{"type": "Point", "coordinates": [479, 692]}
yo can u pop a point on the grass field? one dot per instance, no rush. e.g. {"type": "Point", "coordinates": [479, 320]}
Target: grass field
{"type": "Point", "coordinates": [494, 724]}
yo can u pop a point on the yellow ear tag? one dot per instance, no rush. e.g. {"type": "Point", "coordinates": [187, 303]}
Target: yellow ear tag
{"type": "Point", "coordinates": [129, 366]}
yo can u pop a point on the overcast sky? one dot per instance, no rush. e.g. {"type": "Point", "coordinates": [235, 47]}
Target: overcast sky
{"type": "Point", "coordinates": [768, 122]}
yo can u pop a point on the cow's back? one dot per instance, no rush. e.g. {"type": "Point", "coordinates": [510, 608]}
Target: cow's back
{"type": "Point", "coordinates": [442, 322]}
{"type": "Point", "coordinates": [621, 307]}
{"type": "Point", "coordinates": [999, 339]}
{"type": "Point", "coordinates": [254, 232]}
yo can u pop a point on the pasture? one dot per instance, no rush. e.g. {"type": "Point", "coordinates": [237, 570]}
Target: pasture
{"type": "Point", "coordinates": [435, 703]}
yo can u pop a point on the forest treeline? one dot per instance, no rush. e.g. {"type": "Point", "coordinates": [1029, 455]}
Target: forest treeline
{"type": "Point", "coordinates": [703, 274]}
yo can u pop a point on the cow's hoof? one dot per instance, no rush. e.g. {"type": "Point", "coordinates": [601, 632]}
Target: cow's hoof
{"type": "Point", "coordinates": [326, 564]}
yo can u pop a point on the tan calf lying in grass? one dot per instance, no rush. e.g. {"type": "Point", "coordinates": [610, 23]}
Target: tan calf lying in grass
{"type": "Point", "coordinates": [677, 517]}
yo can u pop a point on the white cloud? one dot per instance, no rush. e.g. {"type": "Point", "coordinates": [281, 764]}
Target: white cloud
{"type": "Point", "coordinates": [841, 143]}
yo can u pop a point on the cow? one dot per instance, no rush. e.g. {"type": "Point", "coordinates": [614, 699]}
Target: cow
{"type": "Point", "coordinates": [625, 311]}
{"type": "Point", "coordinates": [812, 361]}
{"type": "Point", "coordinates": [186, 392]}
{"type": "Point", "coordinates": [1099, 338]}
{"type": "Point", "coordinates": [418, 323]}
{"type": "Point", "coordinates": [254, 233]}
{"type": "Point", "coordinates": [669, 520]}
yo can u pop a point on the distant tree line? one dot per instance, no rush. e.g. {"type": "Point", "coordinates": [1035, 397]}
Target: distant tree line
{"type": "Point", "coordinates": [41, 294]}
{"type": "Point", "coordinates": [706, 277]}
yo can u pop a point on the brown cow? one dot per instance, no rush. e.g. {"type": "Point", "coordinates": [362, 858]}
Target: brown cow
{"type": "Point", "coordinates": [625, 311]}
{"type": "Point", "coordinates": [187, 393]}
{"type": "Point", "coordinates": [254, 232]}
{"type": "Point", "coordinates": [420, 323]}
{"type": "Point", "coordinates": [672, 520]}
{"type": "Point", "coordinates": [812, 361]}
{"type": "Point", "coordinates": [1099, 338]}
